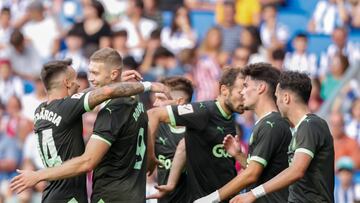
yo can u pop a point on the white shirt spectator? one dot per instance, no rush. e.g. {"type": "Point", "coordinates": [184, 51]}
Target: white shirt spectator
{"type": "Point", "coordinates": [42, 35]}
{"type": "Point", "coordinates": [301, 62]}
{"type": "Point", "coordinates": [146, 26]}
{"type": "Point", "coordinates": [281, 33]}
{"type": "Point", "coordinates": [326, 17]}
{"type": "Point", "coordinates": [31, 151]}
{"type": "Point", "coordinates": [79, 62]}
{"type": "Point", "coordinates": [177, 41]}
{"type": "Point", "coordinates": [352, 129]}
{"type": "Point", "coordinates": [29, 104]}
{"type": "Point", "coordinates": [10, 87]}
{"type": "Point", "coordinates": [5, 35]}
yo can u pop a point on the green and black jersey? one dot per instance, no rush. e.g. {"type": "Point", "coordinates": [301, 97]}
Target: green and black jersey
{"type": "Point", "coordinates": [208, 165]}
{"type": "Point", "coordinates": [58, 129]}
{"type": "Point", "coordinates": [268, 146]}
{"type": "Point", "coordinates": [312, 137]}
{"type": "Point", "coordinates": [121, 175]}
{"type": "Point", "coordinates": [166, 142]}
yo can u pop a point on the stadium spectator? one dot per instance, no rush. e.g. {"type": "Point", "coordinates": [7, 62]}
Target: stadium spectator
{"type": "Point", "coordinates": [152, 11]}
{"type": "Point", "coordinates": [247, 12]}
{"type": "Point", "coordinates": [118, 41]}
{"type": "Point", "coordinates": [328, 15]}
{"type": "Point", "coordinates": [153, 44]}
{"type": "Point", "coordinates": [340, 44]}
{"type": "Point", "coordinates": [277, 58]}
{"type": "Point", "coordinates": [5, 27]}
{"type": "Point", "coordinates": [74, 43]}
{"type": "Point", "coordinates": [273, 33]}
{"type": "Point", "coordinates": [137, 27]}
{"type": "Point", "coordinates": [315, 100]}
{"type": "Point", "coordinates": [353, 126]}
{"type": "Point", "coordinates": [345, 191]}
{"type": "Point", "coordinates": [240, 57]}
{"type": "Point", "coordinates": [180, 35]}
{"type": "Point", "coordinates": [208, 66]}
{"type": "Point", "coordinates": [35, 22]}
{"type": "Point", "coordinates": [29, 102]}
{"type": "Point", "coordinates": [10, 84]}
{"type": "Point", "coordinates": [94, 29]}
{"type": "Point", "coordinates": [230, 30]}
{"type": "Point", "coordinates": [250, 37]}
{"type": "Point", "coordinates": [25, 59]}
{"type": "Point", "coordinates": [343, 145]}
{"type": "Point", "coordinates": [300, 59]}
{"type": "Point", "coordinates": [338, 66]}
{"type": "Point", "coordinates": [12, 118]}
{"type": "Point", "coordinates": [355, 13]}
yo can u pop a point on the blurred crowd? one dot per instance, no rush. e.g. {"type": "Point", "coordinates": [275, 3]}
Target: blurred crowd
{"type": "Point", "coordinates": [33, 32]}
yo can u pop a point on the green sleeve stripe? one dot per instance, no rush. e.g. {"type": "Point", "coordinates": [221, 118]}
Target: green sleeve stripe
{"type": "Point", "coordinates": [86, 102]}
{"type": "Point", "coordinates": [259, 159]}
{"type": "Point", "coordinates": [306, 151]}
{"type": "Point", "coordinates": [171, 115]}
{"type": "Point", "coordinates": [93, 136]}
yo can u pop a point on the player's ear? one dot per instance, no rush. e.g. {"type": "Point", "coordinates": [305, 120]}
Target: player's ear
{"type": "Point", "coordinates": [115, 74]}
{"type": "Point", "coordinates": [224, 90]}
{"type": "Point", "coordinates": [261, 88]}
{"type": "Point", "coordinates": [286, 98]}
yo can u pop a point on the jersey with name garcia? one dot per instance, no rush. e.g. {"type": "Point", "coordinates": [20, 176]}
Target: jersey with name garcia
{"type": "Point", "coordinates": [58, 129]}
{"type": "Point", "coordinates": [167, 139]}
{"type": "Point", "coordinates": [268, 146]}
{"type": "Point", "coordinates": [312, 137]}
{"type": "Point", "coordinates": [208, 165]}
{"type": "Point", "coordinates": [121, 175]}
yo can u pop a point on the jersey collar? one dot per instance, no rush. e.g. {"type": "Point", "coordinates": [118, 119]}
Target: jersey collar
{"type": "Point", "coordinates": [268, 113]}
{"type": "Point", "coordinates": [293, 130]}
{"type": "Point", "coordinates": [223, 113]}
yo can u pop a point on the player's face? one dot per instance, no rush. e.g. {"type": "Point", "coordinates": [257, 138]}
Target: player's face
{"type": "Point", "coordinates": [72, 85]}
{"type": "Point", "coordinates": [249, 93]}
{"type": "Point", "coordinates": [279, 93]}
{"type": "Point", "coordinates": [99, 75]}
{"type": "Point", "coordinates": [235, 99]}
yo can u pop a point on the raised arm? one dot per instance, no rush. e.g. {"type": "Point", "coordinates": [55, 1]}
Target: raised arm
{"type": "Point", "coordinates": [94, 152]}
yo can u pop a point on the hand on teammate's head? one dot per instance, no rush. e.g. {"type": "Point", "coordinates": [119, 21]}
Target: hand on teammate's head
{"type": "Point", "coordinates": [131, 76]}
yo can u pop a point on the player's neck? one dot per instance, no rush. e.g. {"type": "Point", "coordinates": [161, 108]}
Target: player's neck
{"type": "Point", "coordinates": [297, 113]}
{"type": "Point", "coordinates": [224, 106]}
{"type": "Point", "coordinates": [264, 106]}
{"type": "Point", "coordinates": [56, 94]}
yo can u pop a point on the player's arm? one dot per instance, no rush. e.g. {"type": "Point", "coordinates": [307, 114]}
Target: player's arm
{"type": "Point", "coordinates": [287, 177]}
{"type": "Point", "coordinates": [94, 152]}
{"type": "Point", "coordinates": [122, 89]}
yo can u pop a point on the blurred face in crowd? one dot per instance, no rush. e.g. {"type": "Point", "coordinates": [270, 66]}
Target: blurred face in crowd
{"type": "Point", "coordinates": [89, 10]}
{"type": "Point", "coordinates": [241, 57]}
{"type": "Point", "coordinates": [181, 17]}
{"type": "Point", "coordinates": [5, 71]}
{"type": "Point", "coordinates": [339, 37]}
{"type": "Point", "coordinates": [149, 4]}
{"type": "Point", "coordinates": [13, 106]}
{"type": "Point", "coordinates": [355, 111]}
{"type": "Point", "coordinates": [233, 97]}
{"type": "Point", "coordinates": [300, 44]}
{"type": "Point", "coordinates": [336, 125]}
{"type": "Point", "coordinates": [337, 68]}
{"type": "Point", "coordinates": [119, 42]}
{"type": "Point", "coordinates": [346, 177]}
{"type": "Point", "coordinates": [229, 13]}
{"type": "Point", "coordinates": [246, 38]}
{"type": "Point", "coordinates": [73, 43]}
{"type": "Point", "coordinates": [269, 13]}
{"type": "Point", "coordinates": [213, 39]}
{"type": "Point", "coordinates": [5, 19]}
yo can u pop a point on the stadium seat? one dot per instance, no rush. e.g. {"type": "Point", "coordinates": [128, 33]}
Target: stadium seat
{"type": "Point", "coordinates": [296, 21]}
{"type": "Point", "coordinates": [202, 21]}
{"type": "Point", "coordinates": [307, 6]}
{"type": "Point", "coordinates": [167, 18]}
{"type": "Point", "coordinates": [318, 43]}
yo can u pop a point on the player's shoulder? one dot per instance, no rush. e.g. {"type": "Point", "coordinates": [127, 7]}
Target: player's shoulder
{"type": "Point", "coordinates": [276, 121]}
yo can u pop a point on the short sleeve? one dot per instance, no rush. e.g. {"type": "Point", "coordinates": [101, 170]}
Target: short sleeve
{"type": "Point", "coordinates": [193, 115]}
{"type": "Point", "coordinates": [74, 106]}
{"type": "Point", "coordinates": [307, 139]}
{"type": "Point", "coordinates": [266, 143]}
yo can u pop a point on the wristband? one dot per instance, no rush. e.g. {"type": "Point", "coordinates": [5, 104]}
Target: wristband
{"type": "Point", "coordinates": [259, 191]}
{"type": "Point", "coordinates": [147, 86]}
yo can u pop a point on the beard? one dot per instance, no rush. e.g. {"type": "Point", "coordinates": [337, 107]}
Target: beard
{"type": "Point", "coordinates": [230, 106]}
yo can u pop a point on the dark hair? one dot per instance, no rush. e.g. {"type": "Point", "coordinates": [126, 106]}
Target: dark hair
{"type": "Point", "coordinates": [155, 34]}
{"type": "Point", "coordinates": [5, 10]}
{"type": "Point", "coordinates": [53, 69]}
{"type": "Point", "coordinates": [229, 76]}
{"type": "Point", "coordinates": [264, 72]}
{"type": "Point", "coordinates": [16, 38]}
{"type": "Point", "coordinates": [130, 63]}
{"type": "Point", "coordinates": [297, 82]}
{"type": "Point", "coordinates": [255, 33]}
{"type": "Point", "coordinates": [174, 26]}
{"type": "Point", "coordinates": [278, 54]}
{"type": "Point", "coordinates": [100, 10]}
{"type": "Point", "coordinates": [179, 83]}
{"type": "Point", "coordinates": [74, 32]}
{"type": "Point", "coordinates": [162, 52]}
{"type": "Point", "coordinates": [82, 75]}
{"type": "Point", "coordinates": [301, 35]}
{"type": "Point", "coordinates": [139, 4]}
{"type": "Point", "coordinates": [120, 33]}
{"type": "Point", "coordinates": [269, 5]}
{"type": "Point", "coordinates": [343, 60]}
{"type": "Point", "coordinates": [108, 56]}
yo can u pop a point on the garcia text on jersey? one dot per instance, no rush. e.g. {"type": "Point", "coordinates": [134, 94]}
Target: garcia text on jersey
{"type": "Point", "coordinates": [49, 116]}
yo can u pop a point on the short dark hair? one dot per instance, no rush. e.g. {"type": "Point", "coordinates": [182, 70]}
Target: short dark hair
{"type": "Point", "coordinates": [120, 33]}
{"type": "Point", "coordinates": [297, 82]}
{"type": "Point", "coordinates": [162, 52]}
{"type": "Point", "coordinates": [264, 72]}
{"type": "Point", "coordinates": [100, 10]}
{"type": "Point", "coordinates": [302, 35]}
{"type": "Point", "coordinates": [179, 83]}
{"type": "Point", "coordinates": [278, 54]}
{"type": "Point", "coordinates": [229, 76]}
{"type": "Point", "coordinates": [53, 69]}
{"type": "Point", "coordinates": [108, 56]}
{"type": "Point", "coordinates": [269, 5]}
{"type": "Point", "coordinates": [139, 4]}
{"type": "Point", "coordinates": [5, 10]}
{"type": "Point", "coordinates": [75, 32]}
{"type": "Point", "coordinates": [16, 38]}
{"type": "Point", "coordinates": [155, 34]}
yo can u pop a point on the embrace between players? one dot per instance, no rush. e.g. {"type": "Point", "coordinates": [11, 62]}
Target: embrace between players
{"type": "Point", "coordinates": [290, 159]}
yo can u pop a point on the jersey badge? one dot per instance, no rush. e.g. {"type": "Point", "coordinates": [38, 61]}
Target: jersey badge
{"type": "Point", "coordinates": [77, 95]}
{"type": "Point", "coordinates": [185, 109]}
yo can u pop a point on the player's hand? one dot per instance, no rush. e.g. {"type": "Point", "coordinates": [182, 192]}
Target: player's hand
{"type": "Point", "coordinates": [244, 198]}
{"type": "Point", "coordinates": [232, 145]}
{"type": "Point", "coordinates": [26, 179]}
{"type": "Point", "coordinates": [159, 87]}
{"type": "Point", "coordinates": [152, 163]}
{"type": "Point", "coordinates": [162, 191]}
{"type": "Point", "coordinates": [131, 76]}
{"type": "Point", "coordinates": [162, 100]}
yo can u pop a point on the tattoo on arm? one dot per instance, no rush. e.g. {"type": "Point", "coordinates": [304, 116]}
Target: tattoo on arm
{"type": "Point", "coordinates": [122, 89]}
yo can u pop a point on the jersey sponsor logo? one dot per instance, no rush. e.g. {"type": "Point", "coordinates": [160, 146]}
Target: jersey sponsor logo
{"type": "Point", "coordinates": [138, 110]}
{"type": "Point", "coordinates": [270, 123]}
{"type": "Point", "coordinates": [164, 162]}
{"type": "Point", "coordinates": [221, 129]}
{"type": "Point", "coordinates": [185, 109]}
{"type": "Point", "coordinates": [77, 95]}
{"type": "Point", "coordinates": [219, 151]}
{"type": "Point", "coordinates": [49, 116]}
